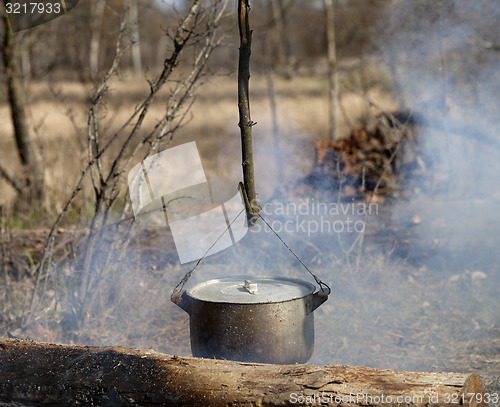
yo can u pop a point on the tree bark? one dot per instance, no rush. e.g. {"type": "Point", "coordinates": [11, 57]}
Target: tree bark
{"type": "Point", "coordinates": [35, 373]}
{"type": "Point", "coordinates": [332, 65]}
{"type": "Point", "coordinates": [136, 42]}
{"type": "Point", "coordinates": [246, 122]}
{"type": "Point", "coordinates": [25, 147]}
{"type": "Point", "coordinates": [96, 13]}
{"type": "Point", "coordinates": [282, 38]}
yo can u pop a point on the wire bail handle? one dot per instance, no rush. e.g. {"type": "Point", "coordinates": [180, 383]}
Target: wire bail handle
{"type": "Point", "coordinates": [177, 292]}
{"type": "Point", "coordinates": [323, 286]}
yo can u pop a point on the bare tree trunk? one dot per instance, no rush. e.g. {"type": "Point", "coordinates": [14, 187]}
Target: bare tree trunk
{"type": "Point", "coordinates": [136, 44]}
{"type": "Point", "coordinates": [283, 44]}
{"type": "Point", "coordinates": [246, 122]}
{"type": "Point", "coordinates": [26, 66]}
{"type": "Point", "coordinates": [332, 65]}
{"type": "Point", "coordinates": [25, 147]}
{"type": "Point", "coordinates": [97, 13]}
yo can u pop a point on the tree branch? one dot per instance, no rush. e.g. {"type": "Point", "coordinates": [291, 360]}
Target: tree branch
{"type": "Point", "coordinates": [246, 122]}
{"type": "Point", "coordinates": [14, 181]}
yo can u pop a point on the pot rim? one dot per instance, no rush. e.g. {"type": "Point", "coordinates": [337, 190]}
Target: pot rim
{"type": "Point", "coordinates": [299, 289]}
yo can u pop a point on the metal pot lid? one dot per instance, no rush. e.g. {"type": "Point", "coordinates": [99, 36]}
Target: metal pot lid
{"type": "Point", "coordinates": [251, 290]}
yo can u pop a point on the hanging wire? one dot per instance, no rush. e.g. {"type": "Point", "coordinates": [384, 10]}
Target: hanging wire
{"type": "Point", "coordinates": [186, 277]}
{"type": "Point", "coordinates": [178, 288]}
{"type": "Point", "coordinates": [318, 281]}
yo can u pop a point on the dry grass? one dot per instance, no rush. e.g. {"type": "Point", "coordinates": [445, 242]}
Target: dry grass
{"type": "Point", "coordinates": [58, 113]}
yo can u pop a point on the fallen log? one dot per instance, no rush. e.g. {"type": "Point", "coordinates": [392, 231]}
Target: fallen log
{"type": "Point", "coordinates": [33, 373]}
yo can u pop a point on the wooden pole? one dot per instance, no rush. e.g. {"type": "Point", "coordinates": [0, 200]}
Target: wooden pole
{"type": "Point", "coordinates": [246, 122]}
{"type": "Point", "coordinates": [34, 373]}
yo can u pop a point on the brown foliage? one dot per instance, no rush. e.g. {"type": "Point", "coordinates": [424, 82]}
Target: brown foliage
{"type": "Point", "coordinates": [365, 163]}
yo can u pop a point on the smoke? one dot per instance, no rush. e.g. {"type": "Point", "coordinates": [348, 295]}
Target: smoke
{"type": "Point", "coordinates": [444, 57]}
{"type": "Point", "coordinates": [415, 282]}
{"type": "Point", "coordinates": [440, 277]}
{"type": "Point", "coordinates": [416, 287]}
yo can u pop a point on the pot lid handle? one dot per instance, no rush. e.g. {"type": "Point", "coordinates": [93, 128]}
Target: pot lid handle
{"type": "Point", "coordinates": [251, 287]}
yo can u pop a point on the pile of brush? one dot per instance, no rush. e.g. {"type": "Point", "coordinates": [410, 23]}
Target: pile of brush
{"type": "Point", "coordinates": [368, 164]}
